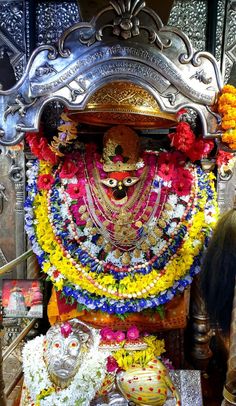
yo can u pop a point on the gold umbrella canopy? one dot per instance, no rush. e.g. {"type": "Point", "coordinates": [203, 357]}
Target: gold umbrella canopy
{"type": "Point", "coordinates": [124, 103]}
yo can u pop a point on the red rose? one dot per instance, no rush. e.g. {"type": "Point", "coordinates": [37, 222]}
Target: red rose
{"type": "Point", "coordinates": [45, 182]}
{"type": "Point", "coordinates": [68, 169]}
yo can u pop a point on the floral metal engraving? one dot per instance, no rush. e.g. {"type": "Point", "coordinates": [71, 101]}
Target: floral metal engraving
{"type": "Point", "coordinates": [12, 39]}
{"type": "Point", "coordinates": [53, 18]}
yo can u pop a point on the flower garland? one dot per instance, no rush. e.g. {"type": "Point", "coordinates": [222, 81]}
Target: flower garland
{"type": "Point", "coordinates": [184, 140]}
{"type": "Point", "coordinates": [81, 276]}
{"type": "Point", "coordinates": [227, 108]}
{"type": "Point", "coordinates": [87, 381]}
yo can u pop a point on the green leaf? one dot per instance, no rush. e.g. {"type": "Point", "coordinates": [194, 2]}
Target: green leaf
{"type": "Point", "coordinates": [161, 311]}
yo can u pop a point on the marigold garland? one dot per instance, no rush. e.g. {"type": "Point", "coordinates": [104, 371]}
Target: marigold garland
{"type": "Point", "coordinates": [227, 107]}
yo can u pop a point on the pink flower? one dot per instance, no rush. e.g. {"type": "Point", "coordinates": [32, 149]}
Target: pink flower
{"type": "Point", "coordinates": [165, 171]}
{"type": "Point", "coordinates": [111, 364]}
{"type": "Point", "coordinates": [107, 334]}
{"type": "Point", "coordinates": [73, 190]}
{"type": "Point", "coordinates": [132, 333]}
{"type": "Point", "coordinates": [45, 182]}
{"type": "Point", "coordinates": [68, 169]}
{"type": "Point", "coordinates": [208, 147]}
{"type": "Point", "coordinates": [66, 329]}
{"type": "Point", "coordinates": [119, 336]}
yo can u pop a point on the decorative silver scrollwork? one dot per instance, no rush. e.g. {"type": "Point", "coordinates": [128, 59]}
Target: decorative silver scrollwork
{"type": "Point", "coordinates": [20, 105]}
{"type": "Point", "coordinates": [2, 197]}
{"type": "Point", "coordinates": [171, 97]}
{"type": "Point", "coordinates": [15, 173]}
{"type": "Point", "coordinates": [126, 24]}
{"type": "Point", "coordinates": [126, 41]}
{"type": "Point", "coordinates": [201, 75]}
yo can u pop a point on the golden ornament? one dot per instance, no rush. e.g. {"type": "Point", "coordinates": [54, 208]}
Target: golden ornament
{"type": "Point", "coordinates": [125, 258]}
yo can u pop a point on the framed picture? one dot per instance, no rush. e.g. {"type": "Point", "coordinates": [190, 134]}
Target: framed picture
{"type": "Point", "coordinates": [22, 298]}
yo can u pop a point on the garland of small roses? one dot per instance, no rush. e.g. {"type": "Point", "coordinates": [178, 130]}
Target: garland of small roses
{"type": "Point", "coordinates": [81, 294]}
{"type": "Point", "coordinates": [87, 381]}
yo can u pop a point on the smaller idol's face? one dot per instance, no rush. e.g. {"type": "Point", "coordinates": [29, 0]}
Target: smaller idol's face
{"type": "Point", "coordinates": [118, 184]}
{"type": "Point", "coordinates": [63, 356]}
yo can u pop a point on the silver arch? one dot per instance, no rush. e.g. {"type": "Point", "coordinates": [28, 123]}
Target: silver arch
{"type": "Point", "coordinates": [127, 42]}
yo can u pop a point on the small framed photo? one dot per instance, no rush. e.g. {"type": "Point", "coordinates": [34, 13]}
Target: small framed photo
{"type": "Point", "coordinates": [22, 298]}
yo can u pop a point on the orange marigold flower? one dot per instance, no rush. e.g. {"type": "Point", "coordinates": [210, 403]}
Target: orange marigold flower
{"type": "Point", "coordinates": [229, 89]}
{"type": "Point", "coordinates": [227, 124]}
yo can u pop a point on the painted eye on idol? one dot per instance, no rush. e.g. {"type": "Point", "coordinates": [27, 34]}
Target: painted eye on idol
{"type": "Point", "coordinates": [56, 345]}
{"type": "Point", "coordinates": [130, 181]}
{"type": "Point", "coordinates": [110, 182]}
{"type": "Point", "coordinates": [73, 344]}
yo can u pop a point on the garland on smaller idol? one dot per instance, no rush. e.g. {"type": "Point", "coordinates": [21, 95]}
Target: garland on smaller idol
{"type": "Point", "coordinates": [112, 352]}
{"type": "Point", "coordinates": [120, 258]}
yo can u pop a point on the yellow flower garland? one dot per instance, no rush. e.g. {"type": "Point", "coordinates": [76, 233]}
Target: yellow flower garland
{"type": "Point", "coordinates": [105, 285]}
{"type": "Point", "coordinates": [227, 107]}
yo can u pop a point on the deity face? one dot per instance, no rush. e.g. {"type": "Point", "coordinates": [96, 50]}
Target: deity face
{"type": "Point", "coordinates": [66, 347]}
{"type": "Point", "coordinates": [119, 186]}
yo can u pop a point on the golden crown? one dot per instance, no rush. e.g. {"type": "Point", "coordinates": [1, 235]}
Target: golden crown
{"type": "Point", "coordinates": [121, 149]}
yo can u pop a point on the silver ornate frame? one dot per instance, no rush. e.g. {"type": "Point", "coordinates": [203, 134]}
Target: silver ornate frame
{"type": "Point", "coordinates": [127, 42]}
